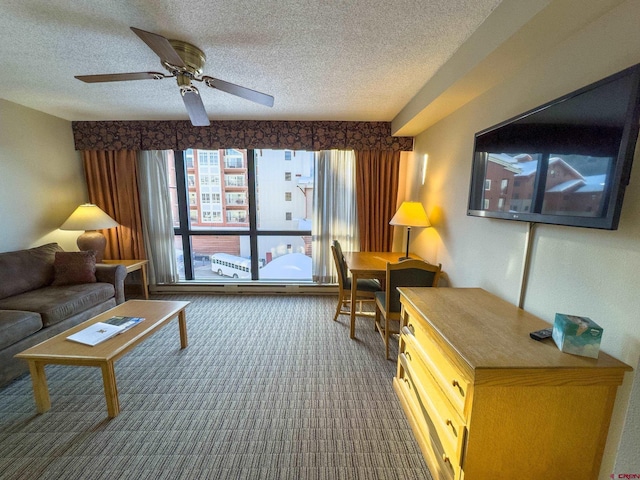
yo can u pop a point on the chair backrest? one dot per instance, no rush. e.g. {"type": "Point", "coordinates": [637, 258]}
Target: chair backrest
{"type": "Point", "coordinates": [341, 266]}
{"type": "Point", "coordinates": [408, 273]}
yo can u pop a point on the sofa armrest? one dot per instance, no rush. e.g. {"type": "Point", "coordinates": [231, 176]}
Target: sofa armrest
{"type": "Point", "coordinates": [115, 275]}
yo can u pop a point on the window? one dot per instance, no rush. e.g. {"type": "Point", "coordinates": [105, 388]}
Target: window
{"type": "Point", "coordinates": [236, 216]}
{"type": "Point", "coordinates": [236, 198]}
{"type": "Point", "coordinates": [208, 158]}
{"type": "Point", "coordinates": [504, 185]}
{"type": "Point", "coordinates": [234, 180]}
{"type": "Point", "coordinates": [487, 184]}
{"type": "Point", "coordinates": [238, 209]}
{"type": "Point", "coordinates": [189, 159]}
{"type": "Point", "coordinates": [233, 159]}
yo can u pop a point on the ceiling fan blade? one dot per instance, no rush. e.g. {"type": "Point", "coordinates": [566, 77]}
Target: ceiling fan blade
{"type": "Point", "coordinates": [239, 91]}
{"type": "Point", "coordinates": [195, 107]}
{"type": "Point", "coordinates": [120, 77]}
{"type": "Point", "coordinates": [161, 46]}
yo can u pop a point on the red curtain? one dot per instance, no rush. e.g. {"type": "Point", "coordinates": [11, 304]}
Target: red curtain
{"type": "Point", "coordinates": [377, 174]}
{"type": "Point", "coordinates": [112, 184]}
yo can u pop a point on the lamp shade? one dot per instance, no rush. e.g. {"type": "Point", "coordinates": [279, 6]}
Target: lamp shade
{"type": "Point", "coordinates": [411, 214]}
{"type": "Point", "coordinates": [88, 217]}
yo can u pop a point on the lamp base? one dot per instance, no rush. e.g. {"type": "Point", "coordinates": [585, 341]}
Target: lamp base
{"type": "Point", "coordinates": [402, 259]}
{"type": "Point", "coordinates": [93, 240]}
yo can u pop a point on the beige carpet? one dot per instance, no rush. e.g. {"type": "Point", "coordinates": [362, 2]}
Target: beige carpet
{"type": "Point", "coordinates": [268, 388]}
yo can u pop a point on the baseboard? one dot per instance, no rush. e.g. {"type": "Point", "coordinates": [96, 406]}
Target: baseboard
{"type": "Point", "coordinates": [246, 288]}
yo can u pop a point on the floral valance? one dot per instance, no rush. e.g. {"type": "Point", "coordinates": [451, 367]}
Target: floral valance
{"type": "Point", "coordinates": [291, 135]}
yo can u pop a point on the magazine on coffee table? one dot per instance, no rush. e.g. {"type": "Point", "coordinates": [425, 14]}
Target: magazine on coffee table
{"type": "Point", "coordinates": [96, 333]}
{"type": "Point", "coordinates": [126, 322]}
{"type": "Point", "coordinates": [101, 331]}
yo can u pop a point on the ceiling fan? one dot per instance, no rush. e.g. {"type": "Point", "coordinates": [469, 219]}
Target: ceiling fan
{"type": "Point", "coordinates": [185, 62]}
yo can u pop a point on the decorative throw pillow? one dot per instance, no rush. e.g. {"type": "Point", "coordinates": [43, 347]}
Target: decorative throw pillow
{"type": "Point", "coordinates": [74, 267]}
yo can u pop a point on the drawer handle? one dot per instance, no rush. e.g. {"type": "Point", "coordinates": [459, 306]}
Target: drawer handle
{"type": "Point", "coordinates": [455, 383]}
{"type": "Point", "coordinates": [407, 354]}
{"type": "Point", "coordinates": [445, 458]}
{"type": "Point", "coordinates": [412, 329]}
{"type": "Point", "coordinates": [453, 428]}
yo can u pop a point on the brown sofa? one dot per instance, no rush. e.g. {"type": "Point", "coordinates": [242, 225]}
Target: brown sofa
{"type": "Point", "coordinates": [36, 304]}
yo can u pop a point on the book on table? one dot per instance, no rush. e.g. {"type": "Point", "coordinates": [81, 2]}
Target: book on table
{"type": "Point", "coordinates": [122, 321]}
{"type": "Point", "coordinates": [101, 331]}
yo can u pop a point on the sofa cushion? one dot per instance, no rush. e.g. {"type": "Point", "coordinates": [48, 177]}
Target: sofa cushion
{"type": "Point", "coordinates": [55, 303]}
{"type": "Point", "coordinates": [74, 267]}
{"type": "Point", "coordinates": [25, 270]}
{"type": "Point", "coordinates": [16, 325]}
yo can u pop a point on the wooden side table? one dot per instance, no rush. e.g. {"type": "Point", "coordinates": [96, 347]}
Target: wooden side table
{"type": "Point", "coordinates": [132, 266]}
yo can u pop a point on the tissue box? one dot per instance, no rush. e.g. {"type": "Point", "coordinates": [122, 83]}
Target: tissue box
{"type": "Point", "coordinates": [577, 335]}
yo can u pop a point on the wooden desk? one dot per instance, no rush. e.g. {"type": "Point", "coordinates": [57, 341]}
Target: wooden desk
{"type": "Point", "coordinates": [132, 266]}
{"type": "Point", "coordinates": [367, 265]}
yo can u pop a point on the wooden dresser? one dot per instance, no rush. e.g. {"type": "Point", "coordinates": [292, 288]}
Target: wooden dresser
{"type": "Point", "coordinates": [485, 401]}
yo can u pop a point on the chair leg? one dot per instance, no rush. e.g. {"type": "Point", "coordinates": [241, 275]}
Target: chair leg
{"type": "Point", "coordinates": [339, 309]}
{"type": "Point", "coordinates": [386, 336]}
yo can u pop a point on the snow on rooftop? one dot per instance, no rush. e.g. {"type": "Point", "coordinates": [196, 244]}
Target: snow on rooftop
{"type": "Point", "coordinates": [287, 267]}
{"type": "Point", "coordinates": [593, 183]}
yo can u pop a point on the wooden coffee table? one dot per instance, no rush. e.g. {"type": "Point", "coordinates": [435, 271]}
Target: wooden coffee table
{"type": "Point", "coordinates": [59, 350]}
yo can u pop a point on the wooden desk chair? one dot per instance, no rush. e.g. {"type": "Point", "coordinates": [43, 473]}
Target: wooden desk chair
{"type": "Point", "coordinates": [406, 273]}
{"type": "Point", "coordinates": [364, 293]}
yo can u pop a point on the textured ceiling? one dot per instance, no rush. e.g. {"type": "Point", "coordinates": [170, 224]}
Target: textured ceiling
{"type": "Point", "coordinates": [320, 59]}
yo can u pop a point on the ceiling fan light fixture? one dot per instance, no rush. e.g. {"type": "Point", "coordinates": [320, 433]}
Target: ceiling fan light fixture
{"type": "Point", "coordinates": [193, 58]}
{"type": "Point", "coordinates": [185, 62]}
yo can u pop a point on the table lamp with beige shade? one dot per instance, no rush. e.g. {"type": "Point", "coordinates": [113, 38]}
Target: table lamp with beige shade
{"type": "Point", "coordinates": [90, 218]}
{"type": "Point", "coordinates": [410, 214]}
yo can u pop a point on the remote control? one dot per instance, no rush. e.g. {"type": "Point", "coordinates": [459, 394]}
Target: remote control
{"type": "Point", "coordinates": [541, 334]}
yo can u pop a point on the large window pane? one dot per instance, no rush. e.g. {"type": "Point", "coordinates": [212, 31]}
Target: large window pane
{"type": "Point", "coordinates": [221, 257]}
{"type": "Point", "coordinates": [285, 257]}
{"type": "Point", "coordinates": [284, 189]}
{"type": "Point", "coordinates": [209, 199]}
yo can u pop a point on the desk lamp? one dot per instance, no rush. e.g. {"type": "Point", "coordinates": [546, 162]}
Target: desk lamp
{"type": "Point", "coordinates": [90, 218]}
{"type": "Point", "coordinates": [410, 214]}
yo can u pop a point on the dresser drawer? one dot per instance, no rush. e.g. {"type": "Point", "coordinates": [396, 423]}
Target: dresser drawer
{"type": "Point", "coordinates": [451, 380]}
{"type": "Point", "coordinates": [431, 445]}
{"type": "Point", "coordinates": [445, 420]}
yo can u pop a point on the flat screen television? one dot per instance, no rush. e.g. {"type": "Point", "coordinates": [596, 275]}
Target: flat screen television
{"type": "Point", "coordinates": [566, 162]}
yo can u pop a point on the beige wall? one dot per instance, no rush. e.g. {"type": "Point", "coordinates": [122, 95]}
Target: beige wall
{"type": "Point", "coordinates": [574, 270]}
{"type": "Point", "coordinates": [41, 178]}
